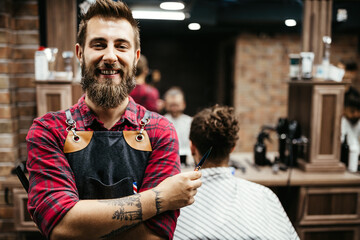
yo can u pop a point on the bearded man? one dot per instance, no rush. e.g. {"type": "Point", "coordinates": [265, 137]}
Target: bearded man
{"type": "Point", "coordinates": [106, 167]}
{"type": "Point", "coordinates": [350, 124]}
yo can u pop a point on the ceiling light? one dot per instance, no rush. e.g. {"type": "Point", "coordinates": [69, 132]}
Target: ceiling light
{"type": "Point", "coordinates": [158, 15]}
{"type": "Point", "coordinates": [172, 5]}
{"type": "Point", "coordinates": [341, 15]}
{"type": "Point", "coordinates": [194, 26]}
{"type": "Point", "coordinates": [290, 22]}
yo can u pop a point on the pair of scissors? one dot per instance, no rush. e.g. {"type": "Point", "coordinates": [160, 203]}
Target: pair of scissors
{"type": "Point", "coordinates": [206, 155]}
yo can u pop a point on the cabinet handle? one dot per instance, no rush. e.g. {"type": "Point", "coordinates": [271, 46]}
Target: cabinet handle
{"type": "Point", "coordinates": [6, 196]}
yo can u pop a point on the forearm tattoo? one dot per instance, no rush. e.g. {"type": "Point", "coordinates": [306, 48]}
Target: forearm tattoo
{"type": "Point", "coordinates": [157, 201]}
{"type": "Point", "coordinates": [133, 200]}
{"type": "Point", "coordinates": [134, 216]}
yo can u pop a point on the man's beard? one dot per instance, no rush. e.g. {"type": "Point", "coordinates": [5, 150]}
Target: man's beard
{"type": "Point", "coordinates": [106, 94]}
{"type": "Point", "coordinates": [353, 121]}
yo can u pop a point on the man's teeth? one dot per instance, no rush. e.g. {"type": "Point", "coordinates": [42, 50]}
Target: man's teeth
{"type": "Point", "coordinates": [108, 72]}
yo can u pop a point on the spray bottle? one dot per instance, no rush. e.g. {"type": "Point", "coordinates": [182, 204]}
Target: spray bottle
{"type": "Point", "coordinates": [41, 64]}
{"type": "Point", "coordinates": [260, 149]}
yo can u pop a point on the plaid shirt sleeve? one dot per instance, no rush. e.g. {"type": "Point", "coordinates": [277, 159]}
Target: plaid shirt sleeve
{"type": "Point", "coordinates": [52, 191]}
{"type": "Point", "coordinates": [163, 163]}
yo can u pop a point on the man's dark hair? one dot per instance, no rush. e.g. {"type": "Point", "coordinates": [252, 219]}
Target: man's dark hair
{"type": "Point", "coordinates": [350, 65]}
{"type": "Point", "coordinates": [217, 127]}
{"type": "Point", "coordinates": [352, 98]}
{"type": "Point", "coordinates": [107, 9]}
{"type": "Point", "coordinates": [141, 66]}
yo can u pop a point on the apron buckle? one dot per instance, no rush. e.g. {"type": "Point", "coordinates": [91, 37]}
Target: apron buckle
{"type": "Point", "coordinates": [76, 138]}
{"type": "Point", "coordinates": [71, 127]}
{"type": "Point", "coordinates": [139, 137]}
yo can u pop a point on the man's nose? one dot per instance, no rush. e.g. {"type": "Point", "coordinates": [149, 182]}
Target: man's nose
{"type": "Point", "coordinates": [109, 55]}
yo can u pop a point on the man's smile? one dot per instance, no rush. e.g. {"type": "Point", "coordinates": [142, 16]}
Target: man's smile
{"type": "Point", "coordinates": [109, 73]}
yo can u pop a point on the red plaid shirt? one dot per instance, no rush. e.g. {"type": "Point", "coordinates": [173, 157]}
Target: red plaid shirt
{"type": "Point", "coordinates": [53, 191]}
{"type": "Point", "coordinates": [146, 96]}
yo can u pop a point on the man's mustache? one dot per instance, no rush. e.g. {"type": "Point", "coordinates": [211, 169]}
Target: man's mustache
{"type": "Point", "coordinates": [115, 65]}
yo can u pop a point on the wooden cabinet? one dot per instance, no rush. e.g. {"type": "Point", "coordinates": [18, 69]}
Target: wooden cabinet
{"type": "Point", "coordinates": [56, 95]}
{"type": "Point", "coordinates": [329, 213]}
{"type": "Point", "coordinates": [318, 106]}
{"type": "Point", "coordinates": [22, 218]}
{"type": "Point", "coordinates": [329, 205]}
{"type": "Point", "coordinates": [20, 225]}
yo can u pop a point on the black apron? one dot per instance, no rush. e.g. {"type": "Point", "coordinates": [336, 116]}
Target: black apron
{"type": "Point", "coordinates": [107, 164]}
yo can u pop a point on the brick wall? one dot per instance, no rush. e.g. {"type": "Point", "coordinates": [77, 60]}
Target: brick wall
{"type": "Point", "coordinates": [19, 39]}
{"type": "Point", "coordinates": [261, 70]}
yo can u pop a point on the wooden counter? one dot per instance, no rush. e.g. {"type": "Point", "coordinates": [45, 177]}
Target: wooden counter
{"type": "Point", "coordinates": [266, 177]}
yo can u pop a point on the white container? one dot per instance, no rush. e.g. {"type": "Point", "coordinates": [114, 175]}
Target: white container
{"type": "Point", "coordinates": [353, 159]}
{"type": "Point", "coordinates": [336, 74]}
{"type": "Point", "coordinates": [307, 59]}
{"type": "Point", "coordinates": [41, 65]}
{"type": "Point", "coordinates": [322, 70]}
{"type": "Point", "coordinates": [294, 66]}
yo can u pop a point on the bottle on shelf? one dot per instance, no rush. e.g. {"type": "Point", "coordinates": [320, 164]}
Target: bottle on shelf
{"type": "Point", "coordinates": [41, 64]}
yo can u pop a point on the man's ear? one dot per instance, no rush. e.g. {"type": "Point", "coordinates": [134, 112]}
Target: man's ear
{"type": "Point", "coordinates": [194, 152]}
{"type": "Point", "coordinates": [232, 149]}
{"type": "Point", "coordinates": [137, 56]}
{"type": "Point", "coordinates": [192, 148]}
{"type": "Point", "coordinates": [79, 53]}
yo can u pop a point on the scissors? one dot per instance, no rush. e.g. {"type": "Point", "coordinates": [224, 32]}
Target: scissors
{"type": "Point", "coordinates": [206, 155]}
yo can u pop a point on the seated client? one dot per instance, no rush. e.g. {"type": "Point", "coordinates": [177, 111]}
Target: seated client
{"type": "Point", "coordinates": [227, 207]}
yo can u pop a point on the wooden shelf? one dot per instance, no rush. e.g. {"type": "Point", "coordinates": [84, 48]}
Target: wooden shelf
{"type": "Point", "coordinates": [316, 81]}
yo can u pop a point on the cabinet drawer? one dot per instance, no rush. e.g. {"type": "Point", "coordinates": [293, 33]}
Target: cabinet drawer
{"type": "Point", "coordinates": [330, 205]}
{"type": "Point", "coordinates": [329, 233]}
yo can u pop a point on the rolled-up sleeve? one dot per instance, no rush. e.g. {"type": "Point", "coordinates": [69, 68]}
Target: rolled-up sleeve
{"type": "Point", "coordinates": [52, 190]}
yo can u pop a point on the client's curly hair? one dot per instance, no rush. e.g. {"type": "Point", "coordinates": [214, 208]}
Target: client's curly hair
{"type": "Point", "coordinates": [218, 127]}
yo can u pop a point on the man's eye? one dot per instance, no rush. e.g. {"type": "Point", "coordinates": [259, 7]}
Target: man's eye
{"type": "Point", "coordinates": [122, 46]}
{"type": "Point", "coordinates": [98, 45]}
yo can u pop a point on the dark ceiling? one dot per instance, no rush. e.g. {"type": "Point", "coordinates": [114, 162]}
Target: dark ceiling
{"type": "Point", "coordinates": [234, 16]}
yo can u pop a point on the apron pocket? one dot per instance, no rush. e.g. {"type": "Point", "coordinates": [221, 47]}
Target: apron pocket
{"type": "Point", "coordinates": [99, 190]}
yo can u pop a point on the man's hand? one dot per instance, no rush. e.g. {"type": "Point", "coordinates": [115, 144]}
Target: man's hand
{"type": "Point", "coordinates": [177, 191]}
